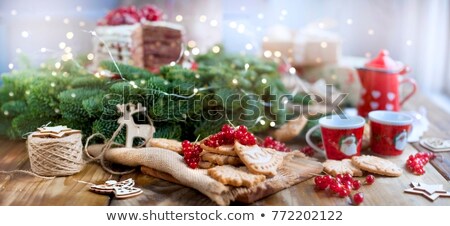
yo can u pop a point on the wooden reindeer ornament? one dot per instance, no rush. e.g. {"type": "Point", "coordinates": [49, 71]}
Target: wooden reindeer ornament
{"type": "Point", "coordinates": [134, 130]}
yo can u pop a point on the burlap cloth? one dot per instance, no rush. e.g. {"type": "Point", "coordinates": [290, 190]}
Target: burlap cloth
{"type": "Point", "coordinates": [169, 165]}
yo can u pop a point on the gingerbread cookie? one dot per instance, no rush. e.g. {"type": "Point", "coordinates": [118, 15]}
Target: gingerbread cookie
{"type": "Point", "coordinates": [233, 176]}
{"type": "Point", "coordinates": [377, 165]}
{"type": "Point", "coordinates": [344, 166]}
{"type": "Point", "coordinates": [172, 145]}
{"type": "Point", "coordinates": [223, 150]}
{"type": "Point", "coordinates": [259, 160]}
{"type": "Point", "coordinates": [221, 159]}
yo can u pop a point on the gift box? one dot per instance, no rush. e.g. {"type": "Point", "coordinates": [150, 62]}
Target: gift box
{"type": "Point", "coordinates": [343, 78]}
{"type": "Point", "coordinates": [305, 47]}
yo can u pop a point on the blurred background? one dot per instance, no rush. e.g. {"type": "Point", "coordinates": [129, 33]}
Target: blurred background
{"type": "Point", "coordinates": [415, 32]}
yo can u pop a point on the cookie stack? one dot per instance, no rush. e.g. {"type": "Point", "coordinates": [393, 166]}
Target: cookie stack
{"type": "Point", "coordinates": [232, 158]}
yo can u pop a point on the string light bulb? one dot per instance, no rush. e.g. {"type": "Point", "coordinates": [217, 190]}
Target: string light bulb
{"type": "Point", "coordinates": [195, 51]}
{"type": "Point", "coordinates": [69, 35]}
{"type": "Point", "coordinates": [25, 34]}
{"type": "Point", "coordinates": [202, 18]}
{"type": "Point", "coordinates": [90, 56]}
{"type": "Point", "coordinates": [215, 49]}
{"type": "Point", "coordinates": [272, 124]}
{"type": "Point", "coordinates": [213, 23]}
{"type": "Point", "coordinates": [179, 18]}
{"type": "Point", "coordinates": [11, 66]}
{"type": "Point", "coordinates": [241, 28]}
{"type": "Point", "coordinates": [233, 24]}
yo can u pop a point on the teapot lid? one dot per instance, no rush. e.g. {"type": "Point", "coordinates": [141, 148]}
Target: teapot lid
{"type": "Point", "coordinates": [384, 63]}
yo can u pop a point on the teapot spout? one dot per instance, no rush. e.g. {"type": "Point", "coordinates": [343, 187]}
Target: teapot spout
{"type": "Point", "coordinates": [406, 69]}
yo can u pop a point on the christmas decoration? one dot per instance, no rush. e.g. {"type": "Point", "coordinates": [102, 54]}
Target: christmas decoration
{"type": "Point", "coordinates": [176, 99]}
{"type": "Point", "coordinates": [55, 151]}
{"type": "Point", "coordinates": [134, 130]}
{"type": "Point", "coordinates": [435, 144]}
{"type": "Point", "coordinates": [431, 192]}
{"type": "Point", "coordinates": [121, 190]}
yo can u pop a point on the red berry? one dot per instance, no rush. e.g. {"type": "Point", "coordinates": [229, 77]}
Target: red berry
{"type": "Point", "coordinates": [358, 198]}
{"type": "Point", "coordinates": [242, 128]}
{"type": "Point", "coordinates": [317, 179]}
{"type": "Point", "coordinates": [356, 184]}
{"type": "Point", "coordinates": [344, 193]}
{"type": "Point", "coordinates": [348, 177]}
{"type": "Point", "coordinates": [322, 185]}
{"type": "Point", "coordinates": [336, 187]}
{"type": "Point", "coordinates": [370, 179]}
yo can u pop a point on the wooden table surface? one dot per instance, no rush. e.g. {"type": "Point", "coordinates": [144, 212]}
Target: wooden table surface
{"type": "Point", "coordinates": [22, 189]}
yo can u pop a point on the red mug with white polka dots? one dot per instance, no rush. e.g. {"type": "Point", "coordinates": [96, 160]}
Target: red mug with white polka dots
{"type": "Point", "coordinates": [380, 80]}
{"type": "Point", "coordinates": [341, 136]}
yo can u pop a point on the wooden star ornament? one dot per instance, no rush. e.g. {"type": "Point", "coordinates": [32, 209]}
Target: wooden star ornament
{"type": "Point", "coordinates": [54, 131]}
{"type": "Point", "coordinates": [431, 192]}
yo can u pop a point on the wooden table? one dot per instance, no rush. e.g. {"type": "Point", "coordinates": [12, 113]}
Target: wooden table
{"type": "Point", "coordinates": [22, 189]}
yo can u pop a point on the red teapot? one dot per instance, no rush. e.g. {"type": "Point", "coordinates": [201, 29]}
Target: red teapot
{"type": "Point", "coordinates": [380, 79]}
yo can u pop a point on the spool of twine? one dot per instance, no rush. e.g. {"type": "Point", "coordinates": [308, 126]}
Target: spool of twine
{"type": "Point", "coordinates": [56, 156]}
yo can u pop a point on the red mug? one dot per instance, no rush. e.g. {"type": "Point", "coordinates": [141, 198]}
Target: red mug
{"type": "Point", "coordinates": [389, 132]}
{"type": "Point", "coordinates": [341, 136]}
{"type": "Point", "coordinates": [380, 81]}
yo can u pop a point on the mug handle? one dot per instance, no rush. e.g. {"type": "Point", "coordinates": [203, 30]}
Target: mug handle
{"type": "Point", "coordinates": [414, 85]}
{"type": "Point", "coordinates": [308, 138]}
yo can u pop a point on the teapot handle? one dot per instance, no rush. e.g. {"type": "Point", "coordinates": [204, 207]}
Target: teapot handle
{"type": "Point", "coordinates": [414, 86]}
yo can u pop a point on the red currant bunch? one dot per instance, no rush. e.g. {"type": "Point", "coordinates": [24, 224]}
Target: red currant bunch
{"type": "Point", "coordinates": [342, 185]}
{"type": "Point", "coordinates": [309, 151]}
{"type": "Point", "coordinates": [415, 163]}
{"type": "Point", "coordinates": [191, 153]}
{"type": "Point", "coordinates": [244, 137]}
{"type": "Point", "coordinates": [229, 134]}
{"type": "Point", "coordinates": [269, 142]}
